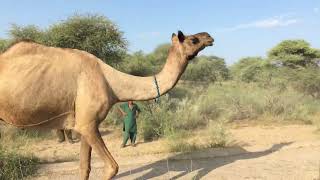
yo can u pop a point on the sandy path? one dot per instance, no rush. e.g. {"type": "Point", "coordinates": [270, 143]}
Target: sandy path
{"type": "Point", "coordinates": [262, 152]}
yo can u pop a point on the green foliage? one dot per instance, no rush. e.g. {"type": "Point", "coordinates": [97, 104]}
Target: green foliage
{"type": "Point", "coordinates": [136, 64]}
{"type": "Point", "coordinates": [21, 137]}
{"type": "Point", "coordinates": [179, 93]}
{"type": "Point", "coordinates": [178, 143]}
{"type": "Point", "coordinates": [92, 33]}
{"type": "Point", "coordinates": [141, 64]}
{"type": "Point", "coordinates": [158, 57]}
{"type": "Point", "coordinates": [218, 134]}
{"type": "Point", "coordinates": [207, 69]}
{"type": "Point", "coordinates": [16, 166]}
{"type": "Point", "coordinates": [155, 120]}
{"type": "Point", "coordinates": [307, 81]}
{"type": "Point", "coordinates": [204, 68]}
{"type": "Point", "coordinates": [294, 53]}
{"type": "Point", "coordinates": [247, 69]}
{"type": "Point", "coordinates": [3, 45]}
{"type": "Point", "coordinates": [231, 101]}
{"type": "Point", "coordinates": [214, 135]}
{"type": "Point", "coordinates": [29, 32]}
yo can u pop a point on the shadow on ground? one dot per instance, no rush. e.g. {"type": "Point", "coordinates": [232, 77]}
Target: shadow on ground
{"type": "Point", "coordinates": [183, 164]}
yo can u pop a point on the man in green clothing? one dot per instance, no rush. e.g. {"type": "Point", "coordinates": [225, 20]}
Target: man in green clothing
{"type": "Point", "coordinates": [130, 111]}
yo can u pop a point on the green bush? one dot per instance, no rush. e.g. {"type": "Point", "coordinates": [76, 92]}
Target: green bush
{"type": "Point", "coordinates": [236, 101]}
{"type": "Point", "coordinates": [230, 101]}
{"type": "Point", "coordinates": [216, 135]}
{"type": "Point", "coordinates": [177, 142]}
{"type": "Point", "coordinates": [206, 69]}
{"type": "Point", "coordinates": [219, 137]}
{"type": "Point", "coordinates": [179, 93]}
{"type": "Point", "coordinates": [307, 81]}
{"type": "Point", "coordinates": [156, 119]}
{"type": "Point", "coordinates": [136, 64]}
{"type": "Point", "coordinates": [95, 34]}
{"type": "Point", "coordinates": [14, 137]}
{"type": "Point", "coordinates": [16, 166]}
{"type": "Point", "coordinates": [247, 69]}
{"type": "Point", "coordinates": [294, 53]}
{"type": "Point", "coordinates": [3, 45]}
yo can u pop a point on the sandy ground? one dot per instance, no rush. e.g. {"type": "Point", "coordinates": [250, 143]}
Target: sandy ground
{"type": "Point", "coordinates": [257, 152]}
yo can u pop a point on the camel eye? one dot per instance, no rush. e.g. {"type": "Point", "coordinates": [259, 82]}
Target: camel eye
{"type": "Point", "coordinates": [195, 41]}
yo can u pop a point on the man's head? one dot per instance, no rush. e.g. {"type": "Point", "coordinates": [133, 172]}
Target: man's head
{"type": "Point", "coordinates": [130, 102]}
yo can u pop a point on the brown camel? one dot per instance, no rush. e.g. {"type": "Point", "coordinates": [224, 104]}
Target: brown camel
{"type": "Point", "coordinates": [59, 88]}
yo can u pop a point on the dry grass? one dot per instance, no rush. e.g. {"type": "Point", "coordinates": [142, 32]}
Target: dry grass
{"type": "Point", "coordinates": [212, 136]}
{"type": "Point", "coordinates": [16, 166]}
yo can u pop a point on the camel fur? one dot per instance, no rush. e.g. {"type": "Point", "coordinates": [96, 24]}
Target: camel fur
{"type": "Point", "coordinates": [58, 88]}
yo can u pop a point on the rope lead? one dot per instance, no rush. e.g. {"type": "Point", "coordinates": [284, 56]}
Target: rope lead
{"type": "Point", "coordinates": [157, 99]}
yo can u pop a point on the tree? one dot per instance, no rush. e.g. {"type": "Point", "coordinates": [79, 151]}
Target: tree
{"type": "Point", "coordinates": [159, 56]}
{"type": "Point", "coordinates": [29, 32]}
{"type": "Point", "coordinates": [207, 69]}
{"type": "Point", "coordinates": [293, 53]}
{"type": "Point", "coordinates": [92, 33]}
{"type": "Point", "coordinates": [247, 69]}
{"type": "Point", "coordinates": [219, 68]}
{"type": "Point", "coordinates": [141, 64]}
{"type": "Point", "coordinates": [136, 64]}
{"type": "Point", "coordinates": [306, 81]}
{"type": "Point", "coordinates": [3, 45]}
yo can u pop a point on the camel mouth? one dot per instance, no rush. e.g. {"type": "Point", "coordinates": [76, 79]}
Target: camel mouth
{"type": "Point", "coordinates": [210, 43]}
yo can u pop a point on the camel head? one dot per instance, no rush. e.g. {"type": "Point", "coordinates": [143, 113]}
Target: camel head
{"type": "Point", "coordinates": [191, 45]}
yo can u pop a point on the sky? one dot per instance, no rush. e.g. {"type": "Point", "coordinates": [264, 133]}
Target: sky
{"type": "Point", "coordinates": [240, 28]}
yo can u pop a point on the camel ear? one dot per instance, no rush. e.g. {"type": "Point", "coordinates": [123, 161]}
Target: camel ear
{"type": "Point", "coordinates": [181, 36]}
{"type": "Point", "coordinates": [174, 38]}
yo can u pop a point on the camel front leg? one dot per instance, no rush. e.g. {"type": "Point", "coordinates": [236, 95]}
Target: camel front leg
{"type": "Point", "coordinates": [85, 159]}
{"type": "Point", "coordinates": [94, 139]}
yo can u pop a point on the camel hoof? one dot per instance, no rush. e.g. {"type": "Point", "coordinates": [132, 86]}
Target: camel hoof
{"type": "Point", "coordinates": [111, 172]}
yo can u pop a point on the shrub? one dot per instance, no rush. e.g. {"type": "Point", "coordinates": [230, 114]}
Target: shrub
{"type": "Point", "coordinates": [229, 101]}
{"type": "Point", "coordinates": [236, 101]}
{"type": "Point", "coordinates": [92, 33]}
{"type": "Point", "coordinates": [307, 81]}
{"type": "Point", "coordinates": [206, 69]}
{"type": "Point", "coordinates": [156, 119]}
{"type": "Point", "coordinates": [247, 69]}
{"type": "Point", "coordinates": [3, 45]}
{"type": "Point", "coordinates": [218, 134]}
{"type": "Point", "coordinates": [16, 166]}
{"type": "Point", "coordinates": [14, 137]}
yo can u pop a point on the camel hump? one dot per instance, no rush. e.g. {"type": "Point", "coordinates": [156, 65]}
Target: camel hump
{"type": "Point", "coordinates": [21, 48]}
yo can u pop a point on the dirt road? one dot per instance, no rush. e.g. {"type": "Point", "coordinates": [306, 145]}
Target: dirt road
{"type": "Point", "coordinates": [258, 152]}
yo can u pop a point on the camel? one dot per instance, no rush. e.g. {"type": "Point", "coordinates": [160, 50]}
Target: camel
{"type": "Point", "coordinates": [60, 88]}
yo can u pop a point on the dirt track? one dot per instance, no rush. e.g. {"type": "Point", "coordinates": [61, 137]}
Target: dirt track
{"type": "Point", "coordinates": [286, 152]}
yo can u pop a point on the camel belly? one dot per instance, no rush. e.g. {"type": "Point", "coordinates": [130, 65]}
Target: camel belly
{"type": "Point", "coordinates": [33, 93]}
{"type": "Point", "coordinates": [25, 110]}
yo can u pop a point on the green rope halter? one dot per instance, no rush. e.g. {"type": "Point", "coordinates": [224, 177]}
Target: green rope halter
{"type": "Point", "coordinates": [157, 100]}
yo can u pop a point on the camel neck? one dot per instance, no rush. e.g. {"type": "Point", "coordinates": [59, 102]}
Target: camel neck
{"type": "Point", "coordinates": [128, 87]}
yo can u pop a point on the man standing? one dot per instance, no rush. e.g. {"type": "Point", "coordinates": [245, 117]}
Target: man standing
{"type": "Point", "coordinates": [130, 111]}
